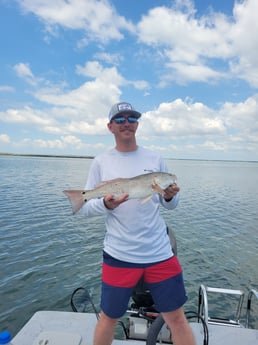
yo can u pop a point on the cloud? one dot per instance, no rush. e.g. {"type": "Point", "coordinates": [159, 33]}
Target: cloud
{"type": "Point", "coordinates": [23, 71]}
{"type": "Point", "coordinates": [182, 119]}
{"type": "Point", "coordinates": [5, 139]}
{"type": "Point", "coordinates": [180, 126]}
{"type": "Point", "coordinates": [113, 59]}
{"type": "Point", "coordinates": [188, 45]}
{"type": "Point", "coordinates": [61, 144]}
{"type": "Point", "coordinates": [27, 116]}
{"type": "Point", "coordinates": [94, 69]}
{"type": "Point", "coordinates": [91, 99]}
{"type": "Point", "coordinates": [83, 111]}
{"type": "Point", "coordinates": [176, 45]}
{"type": "Point", "coordinates": [183, 73]}
{"type": "Point", "coordinates": [6, 88]}
{"type": "Point", "coordinates": [185, 44]}
{"type": "Point", "coordinates": [97, 19]}
{"type": "Point", "coordinates": [245, 41]}
{"type": "Point", "coordinates": [242, 116]}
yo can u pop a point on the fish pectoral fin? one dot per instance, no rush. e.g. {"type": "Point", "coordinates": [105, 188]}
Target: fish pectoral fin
{"type": "Point", "coordinates": [76, 198]}
{"type": "Point", "coordinates": [157, 188]}
{"type": "Point", "coordinates": [146, 199]}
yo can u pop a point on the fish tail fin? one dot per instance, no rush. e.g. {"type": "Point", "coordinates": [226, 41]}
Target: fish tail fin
{"type": "Point", "coordinates": [76, 198]}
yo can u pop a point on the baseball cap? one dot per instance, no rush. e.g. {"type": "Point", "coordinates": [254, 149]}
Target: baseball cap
{"type": "Point", "coordinates": [123, 107]}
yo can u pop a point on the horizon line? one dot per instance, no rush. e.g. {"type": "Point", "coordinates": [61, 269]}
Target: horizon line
{"type": "Point", "coordinates": [92, 157]}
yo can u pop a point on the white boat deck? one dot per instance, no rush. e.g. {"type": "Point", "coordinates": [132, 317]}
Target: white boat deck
{"type": "Point", "coordinates": [69, 328]}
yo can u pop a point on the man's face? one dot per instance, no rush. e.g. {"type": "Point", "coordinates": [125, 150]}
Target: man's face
{"type": "Point", "coordinates": [123, 126]}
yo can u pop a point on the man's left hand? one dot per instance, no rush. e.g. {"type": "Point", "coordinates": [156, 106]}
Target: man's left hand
{"type": "Point", "coordinates": [170, 192]}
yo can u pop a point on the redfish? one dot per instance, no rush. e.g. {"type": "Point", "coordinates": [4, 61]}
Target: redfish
{"type": "Point", "coordinates": [139, 187]}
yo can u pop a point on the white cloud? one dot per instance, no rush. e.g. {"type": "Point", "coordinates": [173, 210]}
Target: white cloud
{"type": "Point", "coordinates": [183, 48]}
{"type": "Point", "coordinates": [189, 44]}
{"type": "Point", "coordinates": [182, 73]}
{"type": "Point", "coordinates": [5, 139]}
{"type": "Point", "coordinates": [62, 144]}
{"type": "Point", "coordinates": [94, 69]}
{"type": "Point", "coordinates": [6, 88]}
{"type": "Point", "coordinates": [88, 102]}
{"type": "Point", "coordinates": [82, 110]}
{"type": "Point", "coordinates": [92, 99]}
{"type": "Point", "coordinates": [242, 116]}
{"type": "Point", "coordinates": [27, 116]}
{"type": "Point", "coordinates": [98, 127]}
{"type": "Point", "coordinates": [245, 41]}
{"type": "Point", "coordinates": [180, 126]}
{"type": "Point", "coordinates": [176, 121]}
{"type": "Point", "coordinates": [113, 59]}
{"type": "Point", "coordinates": [97, 19]}
{"type": "Point", "coordinates": [109, 76]}
{"type": "Point", "coordinates": [182, 119]}
{"type": "Point", "coordinates": [23, 71]}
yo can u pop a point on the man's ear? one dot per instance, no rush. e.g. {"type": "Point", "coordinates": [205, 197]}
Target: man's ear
{"type": "Point", "coordinates": [109, 126]}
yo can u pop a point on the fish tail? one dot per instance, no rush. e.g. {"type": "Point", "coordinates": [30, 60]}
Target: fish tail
{"type": "Point", "coordinates": [76, 198]}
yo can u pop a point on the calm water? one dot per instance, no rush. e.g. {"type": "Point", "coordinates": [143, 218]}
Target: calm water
{"type": "Point", "coordinates": [45, 252]}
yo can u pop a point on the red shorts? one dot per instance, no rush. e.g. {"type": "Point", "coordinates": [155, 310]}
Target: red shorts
{"type": "Point", "coordinates": [164, 280]}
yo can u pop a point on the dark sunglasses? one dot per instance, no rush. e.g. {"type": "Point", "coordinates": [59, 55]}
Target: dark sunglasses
{"type": "Point", "coordinates": [121, 119]}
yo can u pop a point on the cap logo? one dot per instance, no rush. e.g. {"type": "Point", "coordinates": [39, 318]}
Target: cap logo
{"type": "Point", "coordinates": [124, 106]}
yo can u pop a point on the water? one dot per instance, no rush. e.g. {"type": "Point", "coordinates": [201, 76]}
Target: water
{"type": "Point", "coordinates": [45, 252]}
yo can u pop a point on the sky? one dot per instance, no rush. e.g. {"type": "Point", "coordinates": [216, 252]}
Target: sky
{"type": "Point", "coordinates": [190, 67]}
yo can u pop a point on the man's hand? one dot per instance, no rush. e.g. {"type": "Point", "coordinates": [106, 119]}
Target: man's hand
{"type": "Point", "coordinates": [111, 203]}
{"type": "Point", "coordinates": [170, 192]}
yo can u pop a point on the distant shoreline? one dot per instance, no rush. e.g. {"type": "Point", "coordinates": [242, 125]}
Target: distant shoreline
{"type": "Point", "coordinates": [44, 155]}
{"type": "Point", "coordinates": [92, 157]}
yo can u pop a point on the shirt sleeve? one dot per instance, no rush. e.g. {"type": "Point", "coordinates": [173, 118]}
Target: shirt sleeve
{"type": "Point", "coordinates": [169, 205]}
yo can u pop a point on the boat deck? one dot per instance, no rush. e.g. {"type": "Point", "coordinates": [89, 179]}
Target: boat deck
{"type": "Point", "coordinates": [69, 328]}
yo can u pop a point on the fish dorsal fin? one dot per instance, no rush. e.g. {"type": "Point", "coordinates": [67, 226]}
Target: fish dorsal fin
{"type": "Point", "coordinates": [101, 184]}
{"type": "Point", "coordinates": [156, 188]}
{"type": "Point", "coordinates": [144, 200]}
{"type": "Point", "coordinates": [104, 183]}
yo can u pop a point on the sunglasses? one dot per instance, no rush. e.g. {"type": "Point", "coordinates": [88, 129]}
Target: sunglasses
{"type": "Point", "coordinates": [121, 119]}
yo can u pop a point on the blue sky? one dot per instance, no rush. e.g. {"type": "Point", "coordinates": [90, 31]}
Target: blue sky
{"type": "Point", "coordinates": [190, 67]}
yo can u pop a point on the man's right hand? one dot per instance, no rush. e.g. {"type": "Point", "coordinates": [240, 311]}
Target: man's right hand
{"type": "Point", "coordinates": [111, 203]}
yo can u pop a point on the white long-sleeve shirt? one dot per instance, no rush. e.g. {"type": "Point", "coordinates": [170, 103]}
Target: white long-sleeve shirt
{"type": "Point", "coordinates": [135, 231]}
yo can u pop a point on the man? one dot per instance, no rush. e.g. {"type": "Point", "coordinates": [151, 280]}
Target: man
{"type": "Point", "coordinates": [136, 242]}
